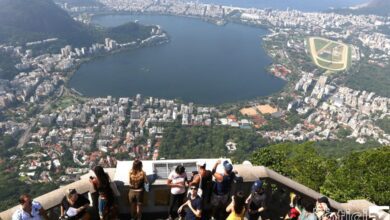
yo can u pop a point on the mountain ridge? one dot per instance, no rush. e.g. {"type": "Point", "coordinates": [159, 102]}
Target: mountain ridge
{"type": "Point", "coordinates": [376, 7]}
{"type": "Point", "coordinates": [28, 20]}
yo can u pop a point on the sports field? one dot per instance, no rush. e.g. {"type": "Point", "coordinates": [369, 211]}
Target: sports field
{"type": "Point", "coordinates": [328, 54]}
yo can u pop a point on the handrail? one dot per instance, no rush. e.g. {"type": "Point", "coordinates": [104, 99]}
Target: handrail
{"type": "Point", "coordinates": [358, 207]}
{"type": "Point", "coordinates": [53, 198]}
{"type": "Point", "coordinates": [248, 172]}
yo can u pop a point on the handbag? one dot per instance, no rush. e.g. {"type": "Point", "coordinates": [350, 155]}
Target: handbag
{"type": "Point", "coordinates": [200, 191]}
{"type": "Point", "coordinates": [115, 189]}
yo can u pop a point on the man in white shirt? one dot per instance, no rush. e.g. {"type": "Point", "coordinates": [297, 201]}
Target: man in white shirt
{"type": "Point", "coordinates": [29, 210]}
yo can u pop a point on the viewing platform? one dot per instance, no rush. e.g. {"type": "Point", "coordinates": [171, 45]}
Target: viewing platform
{"type": "Point", "coordinates": [156, 201]}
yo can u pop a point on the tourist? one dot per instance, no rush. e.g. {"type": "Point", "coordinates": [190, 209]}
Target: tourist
{"type": "Point", "coordinates": [101, 183]}
{"type": "Point", "coordinates": [29, 210]}
{"type": "Point", "coordinates": [294, 211]}
{"type": "Point", "coordinates": [237, 207]}
{"type": "Point", "coordinates": [194, 204]}
{"type": "Point", "coordinates": [221, 193]}
{"type": "Point", "coordinates": [177, 180]}
{"type": "Point", "coordinates": [257, 202]}
{"type": "Point", "coordinates": [74, 206]}
{"type": "Point", "coordinates": [203, 180]}
{"type": "Point", "coordinates": [323, 209]}
{"type": "Point", "coordinates": [137, 181]}
{"type": "Point", "coordinates": [307, 211]}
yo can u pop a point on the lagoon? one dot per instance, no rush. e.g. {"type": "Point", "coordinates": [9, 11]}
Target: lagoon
{"type": "Point", "coordinates": [203, 63]}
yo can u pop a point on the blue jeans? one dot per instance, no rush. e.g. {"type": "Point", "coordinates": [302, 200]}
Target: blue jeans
{"type": "Point", "coordinates": [102, 203]}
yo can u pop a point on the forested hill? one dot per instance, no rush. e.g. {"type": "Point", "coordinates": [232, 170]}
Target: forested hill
{"type": "Point", "coordinates": [29, 20]}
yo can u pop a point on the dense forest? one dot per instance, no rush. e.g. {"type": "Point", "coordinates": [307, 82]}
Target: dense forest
{"type": "Point", "coordinates": [360, 175]}
{"type": "Point", "coordinates": [371, 78]}
{"type": "Point", "coordinates": [207, 142]}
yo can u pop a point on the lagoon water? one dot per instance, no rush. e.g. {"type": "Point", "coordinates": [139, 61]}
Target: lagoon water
{"type": "Point", "coordinates": [203, 63]}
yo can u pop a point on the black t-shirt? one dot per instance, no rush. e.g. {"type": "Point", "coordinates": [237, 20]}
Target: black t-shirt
{"type": "Point", "coordinates": [207, 181]}
{"type": "Point", "coordinates": [257, 201]}
{"type": "Point", "coordinates": [223, 188]}
{"type": "Point", "coordinates": [207, 185]}
{"type": "Point", "coordinates": [197, 205]}
{"type": "Point", "coordinates": [81, 201]}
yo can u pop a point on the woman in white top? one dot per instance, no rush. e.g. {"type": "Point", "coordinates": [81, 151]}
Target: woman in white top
{"type": "Point", "coordinates": [177, 180]}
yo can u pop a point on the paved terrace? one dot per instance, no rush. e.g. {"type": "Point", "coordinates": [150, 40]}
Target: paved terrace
{"type": "Point", "coordinates": [157, 200]}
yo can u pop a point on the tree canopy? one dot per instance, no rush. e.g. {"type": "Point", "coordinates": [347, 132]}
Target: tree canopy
{"type": "Point", "coordinates": [300, 162]}
{"type": "Point", "coordinates": [360, 175]}
{"type": "Point", "coordinates": [198, 142]}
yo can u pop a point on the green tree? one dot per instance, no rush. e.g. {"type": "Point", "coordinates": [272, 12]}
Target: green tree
{"type": "Point", "coordinates": [343, 133]}
{"type": "Point", "coordinates": [300, 162]}
{"type": "Point", "coordinates": [361, 175]}
{"type": "Point", "coordinates": [209, 142]}
{"type": "Point", "coordinates": [384, 124]}
{"type": "Point", "coordinates": [8, 141]}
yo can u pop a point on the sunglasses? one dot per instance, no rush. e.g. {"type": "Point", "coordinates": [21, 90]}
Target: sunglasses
{"type": "Point", "coordinates": [194, 188]}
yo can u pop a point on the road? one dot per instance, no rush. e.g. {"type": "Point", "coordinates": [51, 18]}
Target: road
{"type": "Point", "coordinates": [27, 133]}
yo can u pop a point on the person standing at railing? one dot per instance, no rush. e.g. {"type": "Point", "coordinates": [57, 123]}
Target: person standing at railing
{"type": "Point", "coordinates": [101, 183]}
{"type": "Point", "coordinates": [204, 181]}
{"type": "Point", "coordinates": [177, 180]}
{"type": "Point", "coordinates": [221, 193]}
{"type": "Point", "coordinates": [137, 181]}
{"type": "Point", "coordinates": [29, 210]}
{"type": "Point", "coordinates": [257, 202]}
{"type": "Point", "coordinates": [308, 209]}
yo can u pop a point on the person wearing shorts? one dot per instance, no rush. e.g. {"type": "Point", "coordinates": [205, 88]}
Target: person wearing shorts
{"type": "Point", "coordinates": [137, 179]}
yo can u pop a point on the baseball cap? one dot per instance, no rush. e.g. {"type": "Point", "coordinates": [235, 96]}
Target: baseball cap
{"type": "Point", "coordinates": [228, 166]}
{"type": "Point", "coordinates": [257, 185]}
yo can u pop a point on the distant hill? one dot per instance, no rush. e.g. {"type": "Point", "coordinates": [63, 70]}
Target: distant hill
{"type": "Point", "coordinates": [379, 3]}
{"type": "Point", "coordinates": [376, 7]}
{"type": "Point", "coordinates": [121, 33]}
{"type": "Point", "coordinates": [27, 20]}
{"type": "Point", "coordinates": [24, 21]}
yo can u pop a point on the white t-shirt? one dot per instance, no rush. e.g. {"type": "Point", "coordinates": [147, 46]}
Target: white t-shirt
{"type": "Point", "coordinates": [20, 214]}
{"type": "Point", "coordinates": [177, 178]}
